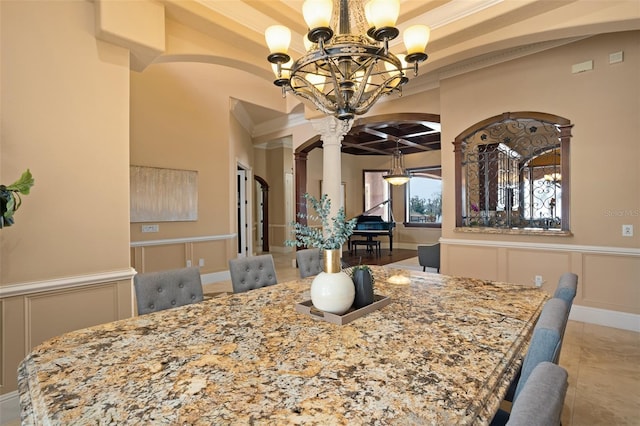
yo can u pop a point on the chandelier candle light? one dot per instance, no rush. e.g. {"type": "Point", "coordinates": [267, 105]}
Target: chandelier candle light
{"type": "Point", "coordinates": [344, 74]}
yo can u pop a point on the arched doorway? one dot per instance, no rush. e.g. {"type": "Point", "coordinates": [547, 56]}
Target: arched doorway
{"type": "Point", "coordinates": [375, 135]}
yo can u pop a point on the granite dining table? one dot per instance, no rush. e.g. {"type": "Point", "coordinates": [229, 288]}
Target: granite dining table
{"type": "Point", "coordinates": [442, 352]}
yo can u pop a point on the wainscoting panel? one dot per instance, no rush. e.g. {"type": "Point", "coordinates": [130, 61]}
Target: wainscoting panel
{"type": "Point", "coordinates": [469, 261]}
{"type": "Point", "coordinates": [161, 258]}
{"type": "Point", "coordinates": [34, 312]}
{"type": "Point", "coordinates": [175, 253]}
{"type": "Point", "coordinates": [548, 264]}
{"type": "Point", "coordinates": [2, 322]}
{"type": "Point", "coordinates": [606, 281]}
{"type": "Point", "coordinates": [51, 314]}
{"type": "Point", "coordinates": [213, 254]}
{"type": "Point", "coordinates": [608, 277]}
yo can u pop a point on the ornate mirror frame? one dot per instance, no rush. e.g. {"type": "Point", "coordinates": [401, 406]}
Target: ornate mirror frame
{"type": "Point", "coordinates": [494, 180]}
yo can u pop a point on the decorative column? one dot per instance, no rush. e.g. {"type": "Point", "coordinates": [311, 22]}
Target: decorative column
{"type": "Point", "coordinates": [332, 131]}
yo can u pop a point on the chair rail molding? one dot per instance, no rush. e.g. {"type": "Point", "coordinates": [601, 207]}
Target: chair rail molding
{"type": "Point", "coordinates": [65, 283]}
{"type": "Point", "coordinates": [182, 240]}
{"type": "Point", "coordinates": [626, 251]}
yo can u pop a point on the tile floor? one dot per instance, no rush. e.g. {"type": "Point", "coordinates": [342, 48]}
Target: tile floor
{"type": "Point", "coordinates": [603, 365]}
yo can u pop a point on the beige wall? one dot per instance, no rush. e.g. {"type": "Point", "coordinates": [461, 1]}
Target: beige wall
{"type": "Point", "coordinates": [605, 162]}
{"type": "Point", "coordinates": [181, 119]}
{"type": "Point", "coordinates": [65, 115]}
{"type": "Point", "coordinates": [601, 104]}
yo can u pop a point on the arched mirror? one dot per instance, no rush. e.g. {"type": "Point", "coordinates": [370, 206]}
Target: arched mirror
{"type": "Point", "coordinates": [512, 173]}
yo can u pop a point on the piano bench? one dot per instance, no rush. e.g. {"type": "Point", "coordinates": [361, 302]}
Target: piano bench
{"type": "Point", "coordinates": [370, 244]}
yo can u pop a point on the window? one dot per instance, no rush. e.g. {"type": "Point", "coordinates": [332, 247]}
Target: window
{"type": "Point", "coordinates": [423, 198]}
{"type": "Point", "coordinates": [512, 173]}
{"type": "Point", "coordinates": [377, 196]}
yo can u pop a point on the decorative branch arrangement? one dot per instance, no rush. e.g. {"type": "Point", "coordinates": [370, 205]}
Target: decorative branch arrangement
{"type": "Point", "coordinates": [326, 238]}
{"type": "Point", "coordinates": [10, 199]}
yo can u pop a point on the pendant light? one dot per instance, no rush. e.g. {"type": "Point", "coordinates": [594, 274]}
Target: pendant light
{"type": "Point", "coordinates": [397, 174]}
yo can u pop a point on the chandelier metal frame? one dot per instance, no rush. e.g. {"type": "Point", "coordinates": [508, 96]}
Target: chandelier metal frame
{"type": "Point", "coordinates": [345, 74]}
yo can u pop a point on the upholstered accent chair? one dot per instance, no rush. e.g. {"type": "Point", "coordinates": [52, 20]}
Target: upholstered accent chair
{"type": "Point", "coordinates": [248, 273]}
{"type": "Point", "coordinates": [429, 256]}
{"type": "Point", "coordinates": [309, 262]}
{"type": "Point", "coordinates": [156, 291]}
{"type": "Point", "coordinates": [541, 400]}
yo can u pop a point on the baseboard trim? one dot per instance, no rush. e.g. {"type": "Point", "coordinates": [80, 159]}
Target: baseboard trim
{"type": "Point", "coordinates": [607, 318]}
{"type": "Point", "coordinates": [9, 408]}
{"type": "Point", "coordinates": [215, 277]}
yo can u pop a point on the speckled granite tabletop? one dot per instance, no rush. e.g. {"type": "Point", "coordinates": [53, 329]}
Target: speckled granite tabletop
{"type": "Point", "coordinates": [442, 352]}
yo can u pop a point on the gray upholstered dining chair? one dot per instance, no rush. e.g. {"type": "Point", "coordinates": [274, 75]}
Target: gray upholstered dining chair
{"type": "Point", "coordinates": [248, 273]}
{"type": "Point", "coordinates": [156, 291]}
{"type": "Point", "coordinates": [541, 400]}
{"type": "Point", "coordinates": [546, 341]}
{"type": "Point", "coordinates": [309, 262]}
{"type": "Point", "coordinates": [429, 256]}
{"type": "Point", "coordinates": [567, 288]}
{"type": "Point", "coordinates": [545, 345]}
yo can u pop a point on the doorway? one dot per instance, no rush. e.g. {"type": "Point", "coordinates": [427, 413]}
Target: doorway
{"type": "Point", "coordinates": [262, 213]}
{"type": "Point", "coordinates": [242, 219]}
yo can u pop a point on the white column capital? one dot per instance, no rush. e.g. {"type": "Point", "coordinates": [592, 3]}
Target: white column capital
{"type": "Point", "coordinates": [331, 129]}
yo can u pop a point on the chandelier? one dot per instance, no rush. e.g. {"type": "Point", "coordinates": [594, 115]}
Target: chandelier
{"type": "Point", "coordinates": [397, 174]}
{"type": "Point", "coordinates": [349, 66]}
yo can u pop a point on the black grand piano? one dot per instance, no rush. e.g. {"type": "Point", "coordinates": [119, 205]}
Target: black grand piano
{"type": "Point", "coordinates": [371, 226]}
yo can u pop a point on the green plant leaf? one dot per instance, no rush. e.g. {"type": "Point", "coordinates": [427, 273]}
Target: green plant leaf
{"type": "Point", "coordinates": [24, 184]}
{"type": "Point", "coordinates": [333, 232]}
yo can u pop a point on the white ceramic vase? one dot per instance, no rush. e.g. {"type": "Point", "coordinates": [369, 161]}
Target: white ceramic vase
{"type": "Point", "coordinates": [332, 291]}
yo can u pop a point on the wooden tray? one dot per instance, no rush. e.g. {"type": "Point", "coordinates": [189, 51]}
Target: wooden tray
{"type": "Point", "coordinates": [307, 308]}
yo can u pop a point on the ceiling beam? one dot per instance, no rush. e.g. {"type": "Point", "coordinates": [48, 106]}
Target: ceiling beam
{"type": "Point", "coordinates": [364, 147]}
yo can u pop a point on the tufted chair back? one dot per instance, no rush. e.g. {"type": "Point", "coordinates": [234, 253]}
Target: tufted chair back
{"type": "Point", "coordinates": [309, 262]}
{"type": "Point", "coordinates": [248, 273]}
{"type": "Point", "coordinates": [156, 291]}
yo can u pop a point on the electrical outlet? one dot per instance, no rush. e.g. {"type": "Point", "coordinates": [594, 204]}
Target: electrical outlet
{"type": "Point", "coordinates": [627, 230]}
{"type": "Point", "coordinates": [150, 228]}
{"type": "Point", "coordinates": [188, 264]}
{"type": "Point", "coordinates": [538, 280]}
{"type": "Point", "coordinates": [201, 262]}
